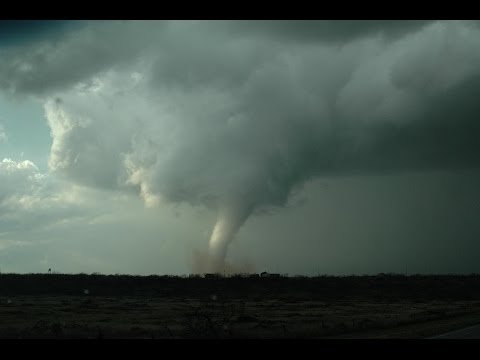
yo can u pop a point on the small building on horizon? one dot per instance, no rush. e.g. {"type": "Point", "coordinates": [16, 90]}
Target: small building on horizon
{"type": "Point", "coordinates": [266, 274]}
{"type": "Point", "coordinates": [211, 276]}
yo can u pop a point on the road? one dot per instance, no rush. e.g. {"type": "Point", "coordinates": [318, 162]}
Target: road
{"type": "Point", "coordinates": [471, 332]}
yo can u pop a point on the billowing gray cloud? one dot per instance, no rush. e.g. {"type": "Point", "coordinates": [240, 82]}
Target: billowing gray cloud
{"type": "Point", "coordinates": [236, 116]}
{"type": "Point", "coordinates": [64, 54]}
{"type": "Point", "coordinates": [47, 64]}
{"type": "Point", "coordinates": [18, 177]}
{"type": "Point", "coordinates": [30, 199]}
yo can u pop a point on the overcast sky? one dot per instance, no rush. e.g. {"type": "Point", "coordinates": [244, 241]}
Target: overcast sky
{"type": "Point", "coordinates": [333, 147]}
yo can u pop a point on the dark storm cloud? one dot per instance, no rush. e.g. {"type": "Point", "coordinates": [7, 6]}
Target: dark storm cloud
{"type": "Point", "coordinates": [235, 116]}
{"type": "Point", "coordinates": [276, 115]}
{"type": "Point", "coordinates": [23, 32]}
{"type": "Point", "coordinates": [323, 30]}
{"type": "Point", "coordinates": [57, 56]}
{"type": "Point", "coordinates": [442, 136]}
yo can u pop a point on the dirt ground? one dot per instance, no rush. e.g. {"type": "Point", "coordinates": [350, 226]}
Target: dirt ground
{"type": "Point", "coordinates": [104, 317]}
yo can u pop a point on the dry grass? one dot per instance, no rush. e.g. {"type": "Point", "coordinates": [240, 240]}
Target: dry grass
{"type": "Point", "coordinates": [44, 306]}
{"type": "Point", "coordinates": [131, 317]}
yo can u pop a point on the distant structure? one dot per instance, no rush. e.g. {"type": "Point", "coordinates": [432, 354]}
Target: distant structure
{"type": "Point", "coordinates": [266, 274]}
{"type": "Point", "coordinates": [49, 270]}
{"type": "Point", "coordinates": [254, 275]}
{"type": "Point", "coordinates": [211, 276]}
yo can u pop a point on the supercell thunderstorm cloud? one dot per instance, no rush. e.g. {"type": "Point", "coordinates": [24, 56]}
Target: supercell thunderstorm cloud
{"type": "Point", "coordinates": [234, 116]}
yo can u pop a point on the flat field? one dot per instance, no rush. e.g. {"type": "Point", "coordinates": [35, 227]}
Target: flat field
{"type": "Point", "coordinates": [119, 306]}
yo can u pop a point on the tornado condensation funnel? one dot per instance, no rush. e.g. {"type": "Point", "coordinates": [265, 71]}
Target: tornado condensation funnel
{"type": "Point", "coordinates": [230, 218]}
